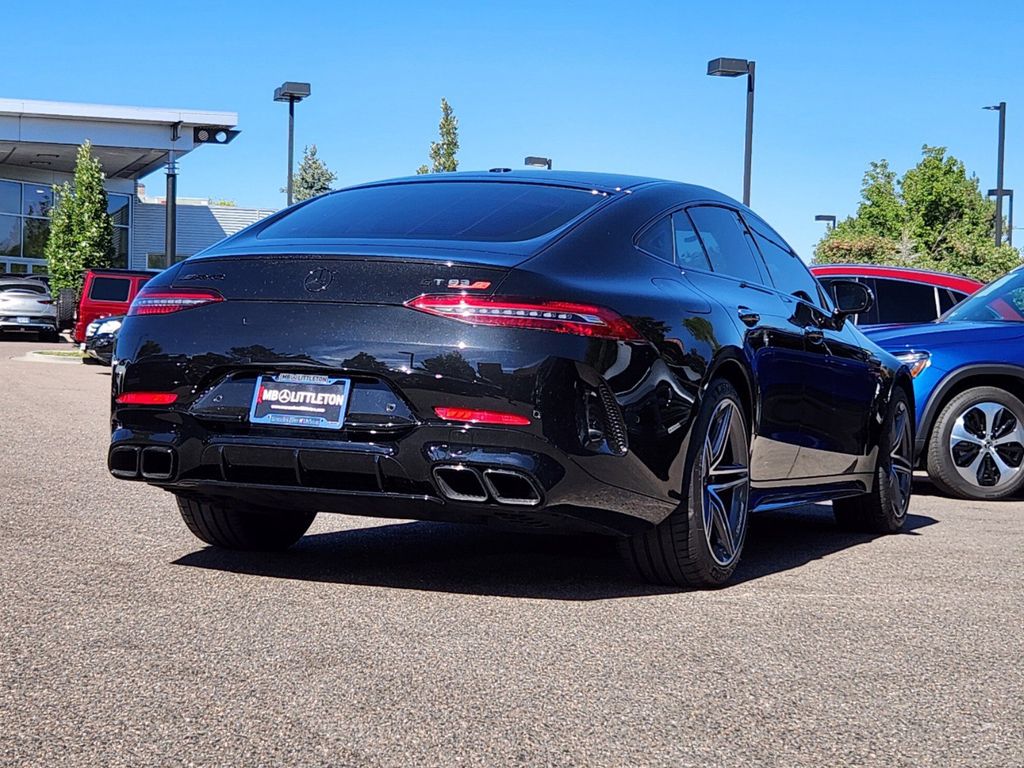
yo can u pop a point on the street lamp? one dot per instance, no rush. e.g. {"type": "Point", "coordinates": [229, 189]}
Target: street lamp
{"type": "Point", "coordinates": [1006, 193]}
{"type": "Point", "coordinates": [292, 93]}
{"type": "Point", "coordinates": [827, 217]}
{"type": "Point", "coordinates": [538, 162]}
{"type": "Point", "coordinates": [734, 68]}
{"type": "Point", "coordinates": [1001, 108]}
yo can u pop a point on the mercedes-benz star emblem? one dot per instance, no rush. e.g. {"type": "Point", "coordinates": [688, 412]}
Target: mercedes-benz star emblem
{"type": "Point", "coordinates": [318, 280]}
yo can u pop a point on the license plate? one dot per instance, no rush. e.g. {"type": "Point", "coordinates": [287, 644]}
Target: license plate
{"type": "Point", "coordinates": [22, 320]}
{"type": "Point", "coordinates": [300, 400]}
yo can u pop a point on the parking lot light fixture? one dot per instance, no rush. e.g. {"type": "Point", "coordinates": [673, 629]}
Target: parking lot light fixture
{"type": "Point", "coordinates": [538, 162]}
{"type": "Point", "coordinates": [726, 67]}
{"type": "Point", "coordinates": [829, 219]}
{"type": "Point", "coordinates": [1001, 109]}
{"type": "Point", "coordinates": [292, 93]}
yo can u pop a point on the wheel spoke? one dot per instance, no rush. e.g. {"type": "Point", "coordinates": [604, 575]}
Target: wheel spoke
{"type": "Point", "coordinates": [991, 412]}
{"type": "Point", "coordinates": [959, 434]}
{"type": "Point", "coordinates": [1005, 470]}
{"type": "Point", "coordinates": [718, 439]}
{"type": "Point", "coordinates": [720, 519]}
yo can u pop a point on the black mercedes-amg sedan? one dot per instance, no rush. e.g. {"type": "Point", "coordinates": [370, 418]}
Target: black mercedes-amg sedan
{"type": "Point", "coordinates": [536, 350]}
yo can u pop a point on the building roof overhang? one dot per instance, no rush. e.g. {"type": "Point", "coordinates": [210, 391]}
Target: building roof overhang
{"type": "Point", "coordinates": [130, 142]}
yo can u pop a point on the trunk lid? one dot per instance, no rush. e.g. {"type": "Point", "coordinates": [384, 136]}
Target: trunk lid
{"type": "Point", "coordinates": [357, 279]}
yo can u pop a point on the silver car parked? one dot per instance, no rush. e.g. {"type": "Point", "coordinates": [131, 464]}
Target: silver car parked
{"type": "Point", "coordinates": [26, 306]}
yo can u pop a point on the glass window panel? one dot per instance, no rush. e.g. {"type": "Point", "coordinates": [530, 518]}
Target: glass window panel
{"type": "Point", "coordinates": [10, 235]}
{"type": "Point", "coordinates": [10, 197]}
{"type": "Point", "coordinates": [788, 272]}
{"type": "Point", "coordinates": [689, 252]}
{"type": "Point", "coordinates": [900, 301]}
{"type": "Point", "coordinates": [20, 269]}
{"type": "Point", "coordinates": [657, 240]}
{"type": "Point", "coordinates": [438, 210]}
{"type": "Point", "coordinates": [39, 269]}
{"type": "Point", "coordinates": [727, 242]}
{"type": "Point", "coordinates": [121, 247]}
{"type": "Point", "coordinates": [156, 261]}
{"type": "Point", "coordinates": [37, 200]}
{"type": "Point", "coordinates": [37, 232]}
{"type": "Point", "coordinates": [110, 288]}
{"type": "Point", "coordinates": [118, 207]}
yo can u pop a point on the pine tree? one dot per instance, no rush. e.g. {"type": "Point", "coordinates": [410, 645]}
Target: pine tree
{"type": "Point", "coordinates": [443, 153]}
{"type": "Point", "coordinates": [314, 177]}
{"type": "Point", "coordinates": [81, 232]}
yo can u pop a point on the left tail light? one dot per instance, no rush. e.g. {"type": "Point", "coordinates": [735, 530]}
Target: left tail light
{"type": "Point", "coordinates": [163, 302]}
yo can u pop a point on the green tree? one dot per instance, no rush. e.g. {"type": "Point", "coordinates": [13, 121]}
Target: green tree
{"type": "Point", "coordinates": [443, 153]}
{"type": "Point", "coordinates": [81, 232]}
{"type": "Point", "coordinates": [314, 177]}
{"type": "Point", "coordinates": [934, 217]}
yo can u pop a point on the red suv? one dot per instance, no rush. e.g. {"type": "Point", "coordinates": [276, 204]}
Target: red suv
{"type": "Point", "coordinates": [106, 292]}
{"type": "Point", "coordinates": [902, 294]}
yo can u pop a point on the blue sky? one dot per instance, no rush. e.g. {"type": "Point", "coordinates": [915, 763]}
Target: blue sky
{"type": "Point", "coordinates": [615, 86]}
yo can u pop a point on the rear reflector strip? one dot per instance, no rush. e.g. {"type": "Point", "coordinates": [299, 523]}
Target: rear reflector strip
{"type": "Point", "coordinates": [482, 417]}
{"type": "Point", "coordinates": [159, 302]}
{"type": "Point", "coordinates": [146, 398]}
{"type": "Point", "coordinates": [555, 316]}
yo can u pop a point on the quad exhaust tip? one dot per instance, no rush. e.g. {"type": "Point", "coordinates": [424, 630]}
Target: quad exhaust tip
{"type": "Point", "coordinates": [153, 462]}
{"type": "Point", "coordinates": [459, 482]}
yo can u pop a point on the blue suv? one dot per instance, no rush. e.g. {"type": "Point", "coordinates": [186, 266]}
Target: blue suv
{"type": "Point", "coordinates": [968, 369]}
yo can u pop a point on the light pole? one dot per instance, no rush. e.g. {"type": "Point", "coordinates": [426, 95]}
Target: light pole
{"type": "Point", "coordinates": [1001, 108]}
{"type": "Point", "coordinates": [292, 93]}
{"type": "Point", "coordinates": [538, 162]}
{"type": "Point", "coordinates": [1008, 193]}
{"type": "Point", "coordinates": [734, 68]}
{"type": "Point", "coordinates": [827, 217]}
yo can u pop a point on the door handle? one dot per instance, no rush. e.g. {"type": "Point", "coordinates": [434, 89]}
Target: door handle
{"type": "Point", "coordinates": [749, 317]}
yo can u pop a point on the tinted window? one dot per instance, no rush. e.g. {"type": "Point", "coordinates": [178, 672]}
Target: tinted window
{"type": "Point", "coordinates": [10, 197]}
{"type": "Point", "coordinates": [23, 286]}
{"type": "Point", "coordinates": [38, 200]}
{"type": "Point", "coordinates": [689, 252]}
{"type": "Point", "coordinates": [110, 289]}
{"type": "Point", "coordinates": [727, 243]}
{"type": "Point", "coordinates": [657, 240]}
{"type": "Point", "coordinates": [899, 301]}
{"type": "Point", "coordinates": [787, 271]}
{"type": "Point", "coordinates": [481, 211]}
{"type": "Point", "coordinates": [948, 298]}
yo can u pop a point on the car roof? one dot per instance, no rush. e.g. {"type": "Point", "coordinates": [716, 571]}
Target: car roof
{"type": "Point", "coordinates": [602, 182]}
{"type": "Point", "coordinates": [20, 281]}
{"type": "Point", "coordinates": [931, 277]}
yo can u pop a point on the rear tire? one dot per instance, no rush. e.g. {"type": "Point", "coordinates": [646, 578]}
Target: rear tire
{"type": "Point", "coordinates": [244, 528]}
{"type": "Point", "coordinates": [700, 543]}
{"type": "Point", "coordinates": [884, 509]}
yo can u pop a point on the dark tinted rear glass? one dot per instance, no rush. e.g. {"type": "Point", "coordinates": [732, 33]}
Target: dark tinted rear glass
{"type": "Point", "coordinates": [900, 301]}
{"type": "Point", "coordinates": [24, 287]}
{"type": "Point", "coordinates": [110, 289]}
{"type": "Point", "coordinates": [455, 210]}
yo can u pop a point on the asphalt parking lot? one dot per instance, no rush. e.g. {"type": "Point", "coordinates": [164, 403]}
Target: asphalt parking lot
{"type": "Point", "coordinates": [390, 643]}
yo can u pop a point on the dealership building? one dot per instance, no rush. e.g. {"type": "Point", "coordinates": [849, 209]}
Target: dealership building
{"type": "Point", "coordinates": [39, 141]}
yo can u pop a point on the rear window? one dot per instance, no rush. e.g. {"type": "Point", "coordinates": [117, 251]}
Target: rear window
{"type": "Point", "coordinates": [24, 287]}
{"type": "Point", "coordinates": [110, 289]}
{"type": "Point", "coordinates": [455, 210]}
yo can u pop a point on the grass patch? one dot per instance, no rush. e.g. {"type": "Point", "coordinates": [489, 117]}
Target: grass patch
{"type": "Point", "coordinates": [59, 353]}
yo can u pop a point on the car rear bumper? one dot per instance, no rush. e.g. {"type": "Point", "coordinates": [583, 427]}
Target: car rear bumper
{"type": "Point", "coordinates": [494, 476]}
{"type": "Point", "coordinates": [31, 325]}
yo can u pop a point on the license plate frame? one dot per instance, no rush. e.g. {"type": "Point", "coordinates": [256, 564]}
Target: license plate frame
{"type": "Point", "coordinates": [298, 400]}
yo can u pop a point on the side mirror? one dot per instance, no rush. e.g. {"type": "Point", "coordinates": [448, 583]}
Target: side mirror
{"type": "Point", "coordinates": [851, 298]}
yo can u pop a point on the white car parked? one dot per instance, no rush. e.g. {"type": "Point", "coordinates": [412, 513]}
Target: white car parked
{"type": "Point", "coordinates": [26, 306]}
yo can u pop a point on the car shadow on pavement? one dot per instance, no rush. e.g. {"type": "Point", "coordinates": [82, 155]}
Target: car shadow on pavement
{"type": "Point", "coordinates": [473, 560]}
